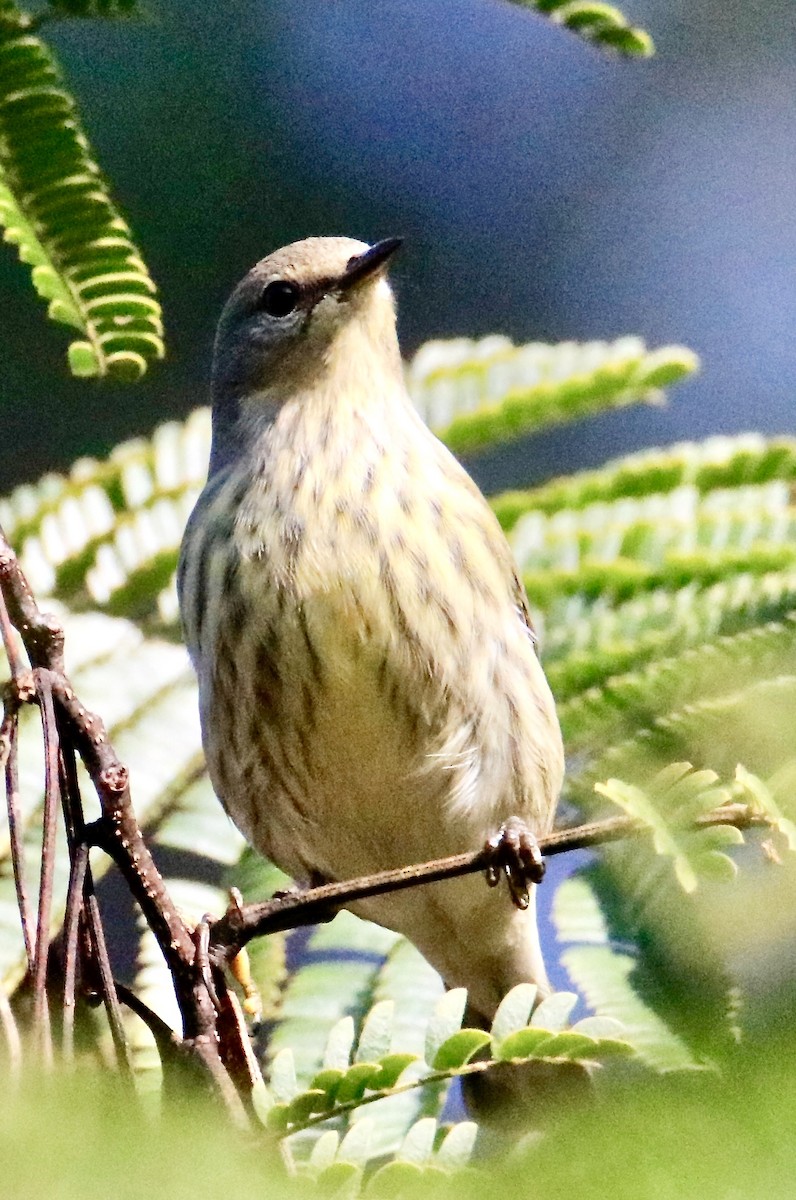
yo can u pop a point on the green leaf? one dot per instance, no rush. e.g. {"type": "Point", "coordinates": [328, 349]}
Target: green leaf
{"type": "Point", "coordinates": [394, 1180]}
{"type": "Point", "coordinates": [302, 1106]}
{"type": "Point", "coordinates": [324, 1151]}
{"type": "Point", "coordinates": [327, 1081]}
{"type": "Point", "coordinates": [355, 1081]}
{"type": "Point", "coordinates": [718, 462]}
{"type": "Point", "coordinates": [339, 1044]}
{"type": "Point", "coordinates": [604, 975]}
{"type": "Point", "coordinates": [392, 1067]}
{"type": "Point", "coordinates": [601, 1028]}
{"type": "Point", "coordinates": [355, 1146]}
{"type": "Point", "coordinates": [711, 865]}
{"type": "Point", "coordinates": [340, 1181]}
{"type": "Point", "coordinates": [578, 1046]}
{"type": "Point", "coordinates": [522, 1044]}
{"type": "Point", "coordinates": [459, 1048]}
{"type": "Point", "coordinates": [603, 716]}
{"type": "Point", "coordinates": [601, 23]}
{"type": "Point", "coordinates": [605, 24]}
{"type": "Point", "coordinates": [754, 790]}
{"type": "Point", "coordinates": [675, 797]}
{"type": "Point", "coordinates": [277, 1118]}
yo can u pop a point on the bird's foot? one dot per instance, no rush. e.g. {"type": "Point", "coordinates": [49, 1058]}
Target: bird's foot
{"type": "Point", "coordinates": [517, 858]}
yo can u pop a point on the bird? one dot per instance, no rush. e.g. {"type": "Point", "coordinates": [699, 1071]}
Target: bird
{"type": "Point", "coordinates": [370, 688]}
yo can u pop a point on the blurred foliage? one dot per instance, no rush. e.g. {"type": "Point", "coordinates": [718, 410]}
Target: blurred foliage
{"type": "Point", "coordinates": [671, 1137]}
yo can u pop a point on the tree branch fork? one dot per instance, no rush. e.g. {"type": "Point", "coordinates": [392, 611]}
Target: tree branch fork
{"type": "Point", "coordinates": [214, 1037]}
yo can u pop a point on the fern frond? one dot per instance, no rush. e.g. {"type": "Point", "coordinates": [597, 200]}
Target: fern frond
{"type": "Point", "coordinates": [622, 578]}
{"type": "Point", "coordinates": [413, 987]}
{"type": "Point", "coordinates": [667, 805]}
{"type": "Point", "coordinates": [105, 9]}
{"type": "Point", "coordinates": [602, 716]}
{"type": "Point", "coordinates": [718, 462]}
{"type": "Point", "coordinates": [55, 207]}
{"type": "Point", "coordinates": [107, 535]}
{"type": "Point", "coordinates": [682, 952]}
{"type": "Point", "coordinates": [750, 723]}
{"type": "Point", "coordinates": [658, 541]}
{"type": "Point", "coordinates": [476, 393]}
{"type": "Point", "coordinates": [603, 971]}
{"type": "Point", "coordinates": [601, 23]}
{"type": "Point", "coordinates": [358, 1079]}
{"type": "Point", "coordinates": [351, 969]}
{"type": "Point", "coordinates": [319, 994]}
{"type": "Point", "coordinates": [586, 642]}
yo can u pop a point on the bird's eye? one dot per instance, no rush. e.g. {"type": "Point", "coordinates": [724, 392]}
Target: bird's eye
{"type": "Point", "coordinates": [279, 298]}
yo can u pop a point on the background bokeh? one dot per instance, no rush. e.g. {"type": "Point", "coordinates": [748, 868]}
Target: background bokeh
{"type": "Point", "coordinates": [544, 189]}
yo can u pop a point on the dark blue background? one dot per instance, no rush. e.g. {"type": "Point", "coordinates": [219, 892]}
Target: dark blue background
{"type": "Point", "coordinates": [544, 189]}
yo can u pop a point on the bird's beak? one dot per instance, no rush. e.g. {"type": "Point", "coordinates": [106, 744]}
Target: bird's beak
{"type": "Point", "coordinates": [362, 266]}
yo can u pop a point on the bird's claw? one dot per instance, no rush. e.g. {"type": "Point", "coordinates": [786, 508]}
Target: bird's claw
{"type": "Point", "coordinates": [517, 858]}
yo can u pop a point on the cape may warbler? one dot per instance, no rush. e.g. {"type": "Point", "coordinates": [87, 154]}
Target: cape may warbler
{"type": "Point", "coordinates": [370, 690]}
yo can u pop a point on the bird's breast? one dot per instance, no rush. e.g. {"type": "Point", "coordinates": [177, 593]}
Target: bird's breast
{"type": "Point", "coordinates": [378, 683]}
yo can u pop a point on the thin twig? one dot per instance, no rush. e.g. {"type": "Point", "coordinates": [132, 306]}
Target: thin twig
{"type": "Point", "coordinates": [8, 635]}
{"type": "Point", "coordinates": [74, 905]}
{"type": "Point", "coordinates": [70, 790]}
{"type": "Point", "coordinates": [161, 1031]}
{"type": "Point", "coordinates": [52, 796]}
{"type": "Point", "coordinates": [291, 910]}
{"type": "Point", "coordinates": [118, 834]}
{"type": "Point", "coordinates": [79, 861]}
{"type": "Point", "coordinates": [100, 951]}
{"type": "Point", "coordinates": [42, 634]}
{"type": "Point", "coordinates": [9, 734]}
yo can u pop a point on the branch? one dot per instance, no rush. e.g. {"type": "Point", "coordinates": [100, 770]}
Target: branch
{"type": "Point", "coordinates": [292, 909]}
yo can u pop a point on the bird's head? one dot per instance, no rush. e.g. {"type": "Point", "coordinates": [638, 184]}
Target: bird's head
{"type": "Point", "coordinates": [299, 315]}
